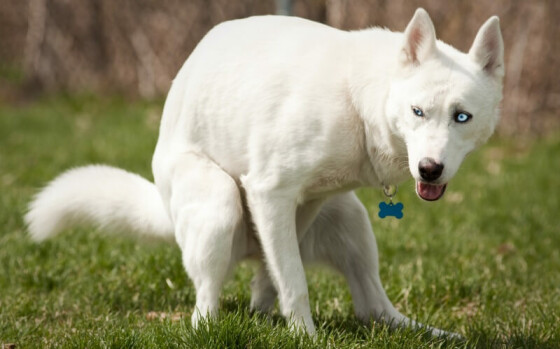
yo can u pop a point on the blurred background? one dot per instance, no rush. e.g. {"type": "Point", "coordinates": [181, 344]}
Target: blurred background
{"type": "Point", "coordinates": [135, 47]}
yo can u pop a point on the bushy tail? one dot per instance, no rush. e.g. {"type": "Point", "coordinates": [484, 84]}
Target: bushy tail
{"type": "Point", "coordinates": [101, 195]}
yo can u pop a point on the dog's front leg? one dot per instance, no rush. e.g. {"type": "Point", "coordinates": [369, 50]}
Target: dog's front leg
{"type": "Point", "coordinates": [263, 293]}
{"type": "Point", "coordinates": [274, 215]}
{"type": "Point", "coordinates": [342, 236]}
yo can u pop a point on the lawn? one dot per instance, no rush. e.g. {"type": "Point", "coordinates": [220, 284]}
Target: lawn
{"type": "Point", "coordinates": [484, 261]}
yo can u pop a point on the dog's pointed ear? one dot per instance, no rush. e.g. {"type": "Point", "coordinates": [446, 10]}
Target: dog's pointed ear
{"type": "Point", "coordinates": [419, 38]}
{"type": "Point", "coordinates": [488, 48]}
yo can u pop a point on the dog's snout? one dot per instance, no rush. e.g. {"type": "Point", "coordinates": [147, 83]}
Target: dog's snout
{"type": "Point", "coordinates": [429, 169]}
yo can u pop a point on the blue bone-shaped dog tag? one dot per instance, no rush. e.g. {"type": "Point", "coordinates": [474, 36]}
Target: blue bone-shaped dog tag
{"type": "Point", "coordinates": [390, 209]}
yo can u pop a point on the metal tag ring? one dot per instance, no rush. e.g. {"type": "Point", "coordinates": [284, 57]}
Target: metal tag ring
{"type": "Point", "coordinates": [390, 190]}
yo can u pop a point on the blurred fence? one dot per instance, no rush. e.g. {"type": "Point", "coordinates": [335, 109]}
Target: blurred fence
{"type": "Point", "coordinates": [136, 46]}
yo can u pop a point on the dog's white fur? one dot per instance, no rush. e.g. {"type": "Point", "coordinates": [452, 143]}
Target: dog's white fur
{"type": "Point", "coordinates": [269, 125]}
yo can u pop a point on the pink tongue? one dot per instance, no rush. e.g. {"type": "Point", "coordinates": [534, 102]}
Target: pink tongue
{"type": "Point", "coordinates": [430, 192]}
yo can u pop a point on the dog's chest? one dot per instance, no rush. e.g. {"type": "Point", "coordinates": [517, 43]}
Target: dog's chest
{"type": "Point", "coordinates": [330, 181]}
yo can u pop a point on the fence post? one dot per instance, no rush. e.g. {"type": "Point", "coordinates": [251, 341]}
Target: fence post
{"type": "Point", "coordinates": [284, 7]}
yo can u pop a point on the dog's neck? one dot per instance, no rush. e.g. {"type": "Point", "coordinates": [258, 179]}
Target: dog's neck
{"type": "Point", "coordinates": [387, 156]}
{"type": "Point", "coordinates": [368, 89]}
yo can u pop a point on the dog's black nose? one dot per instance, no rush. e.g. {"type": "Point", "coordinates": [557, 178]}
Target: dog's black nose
{"type": "Point", "coordinates": [429, 169]}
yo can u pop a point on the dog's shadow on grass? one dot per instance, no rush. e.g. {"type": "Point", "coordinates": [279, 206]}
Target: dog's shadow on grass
{"type": "Point", "coordinates": [335, 326]}
{"type": "Point", "coordinates": [338, 327]}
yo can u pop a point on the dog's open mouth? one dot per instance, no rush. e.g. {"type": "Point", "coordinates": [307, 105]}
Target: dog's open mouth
{"type": "Point", "coordinates": [430, 192]}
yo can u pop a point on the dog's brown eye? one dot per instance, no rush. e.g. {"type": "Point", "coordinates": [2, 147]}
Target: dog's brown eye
{"type": "Point", "coordinates": [418, 112]}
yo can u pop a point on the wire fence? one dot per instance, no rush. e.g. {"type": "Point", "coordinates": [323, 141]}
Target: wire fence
{"type": "Point", "coordinates": [136, 46]}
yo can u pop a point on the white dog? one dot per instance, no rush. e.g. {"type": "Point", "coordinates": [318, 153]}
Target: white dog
{"type": "Point", "coordinates": [267, 129]}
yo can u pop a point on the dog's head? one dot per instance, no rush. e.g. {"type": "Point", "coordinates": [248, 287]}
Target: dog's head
{"type": "Point", "coordinates": [445, 103]}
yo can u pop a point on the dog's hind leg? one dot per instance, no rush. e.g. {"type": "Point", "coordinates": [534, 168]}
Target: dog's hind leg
{"type": "Point", "coordinates": [206, 208]}
{"type": "Point", "coordinates": [342, 236]}
{"type": "Point", "coordinates": [263, 293]}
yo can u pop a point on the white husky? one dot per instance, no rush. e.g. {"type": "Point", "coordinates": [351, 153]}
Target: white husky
{"type": "Point", "coordinates": [267, 129]}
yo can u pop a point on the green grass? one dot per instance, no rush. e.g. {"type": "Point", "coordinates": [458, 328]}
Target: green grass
{"type": "Point", "coordinates": [484, 261]}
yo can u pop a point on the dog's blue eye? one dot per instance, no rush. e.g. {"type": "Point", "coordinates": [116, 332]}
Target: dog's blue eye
{"type": "Point", "coordinates": [417, 111]}
{"type": "Point", "coordinates": [462, 117]}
